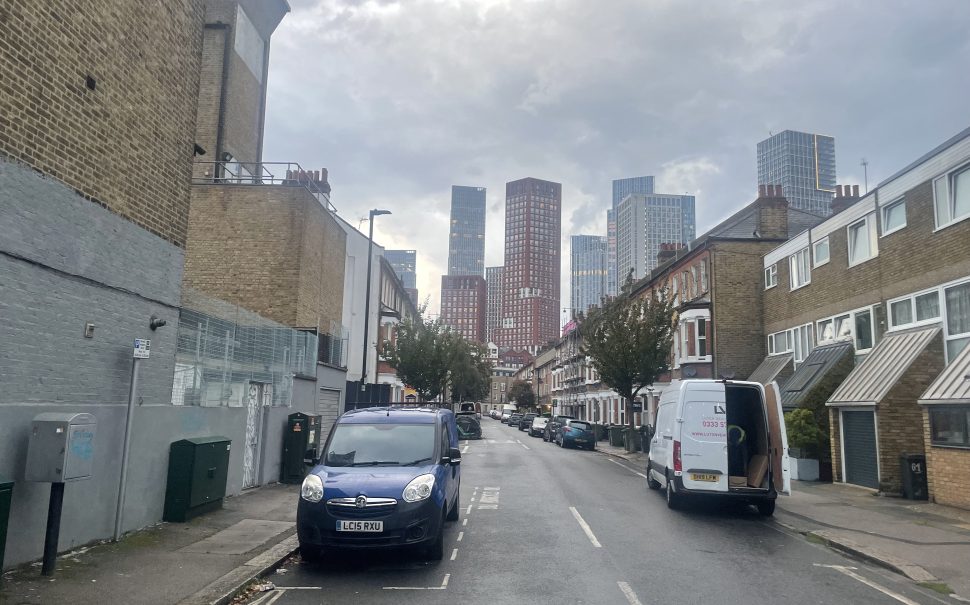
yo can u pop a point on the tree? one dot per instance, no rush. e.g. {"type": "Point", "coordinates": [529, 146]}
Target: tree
{"type": "Point", "coordinates": [420, 356]}
{"type": "Point", "coordinates": [628, 341]}
{"type": "Point", "coordinates": [522, 394]}
{"type": "Point", "coordinates": [435, 361]}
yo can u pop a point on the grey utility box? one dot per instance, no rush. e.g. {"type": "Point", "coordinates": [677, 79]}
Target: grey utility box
{"type": "Point", "coordinates": [61, 447]}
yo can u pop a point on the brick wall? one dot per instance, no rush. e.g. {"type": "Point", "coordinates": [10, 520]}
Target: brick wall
{"type": "Point", "coordinates": [739, 340]}
{"type": "Point", "coordinates": [271, 249]}
{"type": "Point", "coordinates": [909, 260]}
{"type": "Point", "coordinates": [128, 143]}
{"type": "Point", "coordinates": [899, 418]}
{"type": "Point", "coordinates": [947, 476]}
{"type": "Point", "coordinates": [836, 445]}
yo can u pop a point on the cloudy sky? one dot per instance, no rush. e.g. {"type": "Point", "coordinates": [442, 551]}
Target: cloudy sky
{"type": "Point", "coordinates": [402, 99]}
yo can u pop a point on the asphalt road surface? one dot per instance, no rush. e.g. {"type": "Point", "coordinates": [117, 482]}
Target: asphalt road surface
{"type": "Point", "coordinates": [542, 524]}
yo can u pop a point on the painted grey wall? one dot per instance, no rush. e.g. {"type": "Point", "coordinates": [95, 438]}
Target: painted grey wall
{"type": "Point", "coordinates": [65, 261]}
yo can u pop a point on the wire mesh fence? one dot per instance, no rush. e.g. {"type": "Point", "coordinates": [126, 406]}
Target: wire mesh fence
{"type": "Point", "coordinates": [221, 348]}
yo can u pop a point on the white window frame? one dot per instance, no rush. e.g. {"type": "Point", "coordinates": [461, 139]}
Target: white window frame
{"type": "Point", "coordinates": [771, 276]}
{"type": "Point", "coordinates": [681, 339]}
{"type": "Point", "coordinates": [851, 319]}
{"type": "Point", "coordinates": [828, 255]}
{"type": "Point", "coordinates": [943, 319]}
{"type": "Point", "coordinates": [870, 226]}
{"type": "Point", "coordinates": [794, 337]}
{"type": "Point", "coordinates": [884, 213]}
{"type": "Point", "coordinates": [799, 266]}
{"type": "Point", "coordinates": [947, 179]}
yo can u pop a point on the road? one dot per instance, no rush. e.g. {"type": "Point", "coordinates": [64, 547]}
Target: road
{"type": "Point", "coordinates": [541, 524]}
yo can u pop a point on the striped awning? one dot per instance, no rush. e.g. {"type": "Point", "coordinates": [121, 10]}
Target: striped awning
{"type": "Point", "coordinates": [953, 384]}
{"type": "Point", "coordinates": [871, 380]}
{"type": "Point", "coordinates": [771, 367]}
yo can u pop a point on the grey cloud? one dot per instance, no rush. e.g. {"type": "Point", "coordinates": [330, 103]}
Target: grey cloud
{"type": "Point", "coordinates": [402, 99]}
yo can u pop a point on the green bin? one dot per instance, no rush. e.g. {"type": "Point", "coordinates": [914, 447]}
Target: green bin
{"type": "Point", "coordinates": [631, 440]}
{"type": "Point", "coordinates": [197, 472]}
{"type": "Point", "coordinates": [6, 494]}
{"type": "Point", "coordinates": [616, 435]}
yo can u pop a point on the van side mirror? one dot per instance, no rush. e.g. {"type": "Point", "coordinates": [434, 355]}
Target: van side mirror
{"type": "Point", "coordinates": [454, 456]}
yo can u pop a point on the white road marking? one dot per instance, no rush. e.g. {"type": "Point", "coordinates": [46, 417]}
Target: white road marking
{"type": "Point", "coordinates": [444, 585]}
{"type": "Point", "coordinates": [626, 467]}
{"type": "Point", "coordinates": [525, 446]}
{"type": "Point", "coordinates": [461, 535]}
{"type": "Point", "coordinates": [585, 526]}
{"type": "Point", "coordinates": [848, 571]}
{"type": "Point", "coordinates": [468, 510]}
{"type": "Point", "coordinates": [464, 449]}
{"type": "Point", "coordinates": [629, 594]}
{"type": "Point", "coordinates": [454, 554]}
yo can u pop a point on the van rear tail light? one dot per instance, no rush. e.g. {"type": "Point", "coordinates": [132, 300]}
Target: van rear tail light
{"type": "Point", "coordinates": [678, 467]}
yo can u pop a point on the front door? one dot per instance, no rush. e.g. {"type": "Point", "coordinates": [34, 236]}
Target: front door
{"type": "Point", "coordinates": [254, 422]}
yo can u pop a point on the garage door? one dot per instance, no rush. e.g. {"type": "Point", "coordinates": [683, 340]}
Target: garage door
{"type": "Point", "coordinates": [859, 448]}
{"type": "Point", "coordinates": [328, 407]}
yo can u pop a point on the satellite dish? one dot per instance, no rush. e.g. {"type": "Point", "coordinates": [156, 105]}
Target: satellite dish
{"type": "Point", "coordinates": [727, 376]}
{"type": "Point", "coordinates": [690, 371]}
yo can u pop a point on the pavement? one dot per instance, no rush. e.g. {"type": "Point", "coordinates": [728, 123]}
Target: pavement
{"type": "Point", "coordinates": [199, 562]}
{"type": "Point", "coordinates": [542, 524]}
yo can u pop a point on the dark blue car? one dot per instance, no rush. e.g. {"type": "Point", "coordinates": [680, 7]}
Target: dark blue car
{"type": "Point", "coordinates": [389, 477]}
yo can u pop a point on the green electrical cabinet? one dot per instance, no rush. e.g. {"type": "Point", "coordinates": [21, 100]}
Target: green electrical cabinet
{"type": "Point", "coordinates": [6, 494]}
{"type": "Point", "coordinates": [301, 442]}
{"type": "Point", "coordinates": [197, 472]}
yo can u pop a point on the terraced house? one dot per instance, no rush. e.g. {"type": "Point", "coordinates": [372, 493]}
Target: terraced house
{"type": "Point", "coordinates": [886, 279]}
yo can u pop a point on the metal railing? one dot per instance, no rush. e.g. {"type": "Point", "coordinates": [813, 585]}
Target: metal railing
{"type": "Point", "coordinates": [285, 174]}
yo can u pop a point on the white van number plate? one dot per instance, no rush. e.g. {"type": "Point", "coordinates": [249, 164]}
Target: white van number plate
{"type": "Point", "coordinates": [363, 526]}
{"type": "Point", "coordinates": [704, 477]}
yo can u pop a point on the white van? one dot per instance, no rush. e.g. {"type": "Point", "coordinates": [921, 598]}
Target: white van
{"type": "Point", "coordinates": [720, 438]}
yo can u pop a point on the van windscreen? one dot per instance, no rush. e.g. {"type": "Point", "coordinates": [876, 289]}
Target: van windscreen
{"type": "Point", "coordinates": [381, 445]}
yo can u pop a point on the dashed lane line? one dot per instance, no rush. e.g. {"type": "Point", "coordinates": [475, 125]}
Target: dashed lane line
{"type": "Point", "coordinates": [454, 554]}
{"type": "Point", "coordinates": [525, 446]}
{"type": "Point", "coordinates": [629, 594]}
{"type": "Point", "coordinates": [464, 522]}
{"type": "Point", "coordinates": [444, 586]}
{"type": "Point", "coordinates": [585, 526]}
{"type": "Point", "coordinates": [468, 510]}
{"type": "Point", "coordinates": [461, 535]}
{"type": "Point", "coordinates": [849, 572]}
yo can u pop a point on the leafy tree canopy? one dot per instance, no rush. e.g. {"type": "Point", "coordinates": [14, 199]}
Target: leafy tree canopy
{"type": "Point", "coordinates": [522, 394]}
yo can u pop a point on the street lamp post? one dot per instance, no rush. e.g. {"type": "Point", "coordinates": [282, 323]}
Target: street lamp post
{"type": "Point", "coordinates": [370, 258]}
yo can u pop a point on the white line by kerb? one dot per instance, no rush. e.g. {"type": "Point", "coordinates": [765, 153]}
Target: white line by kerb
{"type": "Point", "coordinates": [629, 594]}
{"type": "Point", "coordinates": [585, 526]}
{"type": "Point", "coordinates": [848, 571]}
{"type": "Point", "coordinates": [626, 467]}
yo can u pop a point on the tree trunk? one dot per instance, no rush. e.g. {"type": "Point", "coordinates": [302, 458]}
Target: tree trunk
{"type": "Point", "coordinates": [629, 425]}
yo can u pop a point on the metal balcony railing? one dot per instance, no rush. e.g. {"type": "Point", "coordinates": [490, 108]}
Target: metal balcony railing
{"type": "Point", "coordinates": [285, 174]}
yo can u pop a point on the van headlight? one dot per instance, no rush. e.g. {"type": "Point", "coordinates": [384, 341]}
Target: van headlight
{"type": "Point", "coordinates": [419, 488]}
{"type": "Point", "coordinates": [312, 489]}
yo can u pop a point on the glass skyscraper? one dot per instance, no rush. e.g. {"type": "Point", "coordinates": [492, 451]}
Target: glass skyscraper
{"type": "Point", "coordinates": [804, 165]}
{"type": "Point", "coordinates": [587, 272]}
{"type": "Point", "coordinates": [466, 241]}
{"type": "Point", "coordinates": [621, 189]}
{"type": "Point", "coordinates": [643, 222]}
{"type": "Point", "coordinates": [403, 262]}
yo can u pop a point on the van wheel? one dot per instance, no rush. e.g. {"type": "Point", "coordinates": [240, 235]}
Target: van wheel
{"type": "Point", "coordinates": [436, 550]}
{"type": "Point", "coordinates": [453, 512]}
{"type": "Point", "coordinates": [651, 482]}
{"type": "Point", "coordinates": [673, 499]}
{"type": "Point", "coordinates": [310, 553]}
{"type": "Point", "coordinates": [766, 508]}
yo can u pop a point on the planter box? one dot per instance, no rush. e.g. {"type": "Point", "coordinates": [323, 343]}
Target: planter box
{"type": "Point", "coordinates": [804, 469]}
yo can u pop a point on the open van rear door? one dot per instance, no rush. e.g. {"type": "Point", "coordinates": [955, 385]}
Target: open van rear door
{"type": "Point", "coordinates": [780, 463]}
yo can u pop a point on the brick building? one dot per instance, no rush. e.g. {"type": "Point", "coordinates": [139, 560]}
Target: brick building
{"type": "Point", "coordinates": [895, 262]}
{"type": "Point", "coordinates": [464, 301]}
{"type": "Point", "coordinates": [91, 246]}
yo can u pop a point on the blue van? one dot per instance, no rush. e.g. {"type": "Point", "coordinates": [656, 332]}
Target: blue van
{"type": "Point", "coordinates": [389, 477]}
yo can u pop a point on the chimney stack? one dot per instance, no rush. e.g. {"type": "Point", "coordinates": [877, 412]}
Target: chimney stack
{"type": "Point", "coordinates": [845, 196]}
{"type": "Point", "coordinates": [667, 252]}
{"type": "Point", "coordinates": [772, 213]}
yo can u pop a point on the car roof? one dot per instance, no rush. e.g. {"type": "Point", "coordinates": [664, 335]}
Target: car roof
{"type": "Point", "coordinates": [392, 415]}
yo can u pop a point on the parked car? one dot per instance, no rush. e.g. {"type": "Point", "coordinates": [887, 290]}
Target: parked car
{"type": "Point", "coordinates": [553, 425]}
{"type": "Point", "coordinates": [514, 419]}
{"type": "Point", "coordinates": [538, 426]}
{"type": "Point", "coordinates": [469, 426]}
{"type": "Point", "coordinates": [525, 423]}
{"type": "Point", "coordinates": [389, 478]}
{"type": "Point", "coordinates": [720, 438]}
{"type": "Point", "coordinates": [505, 417]}
{"type": "Point", "coordinates": [576, 433]}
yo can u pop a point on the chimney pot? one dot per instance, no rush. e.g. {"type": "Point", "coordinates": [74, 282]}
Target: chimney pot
{"type": "Point", "coordinates": [761, 191]}
{"type": "Point", "coordinates": [855, 191]}
{"type": "Point", "coordinates": [778, 191]}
